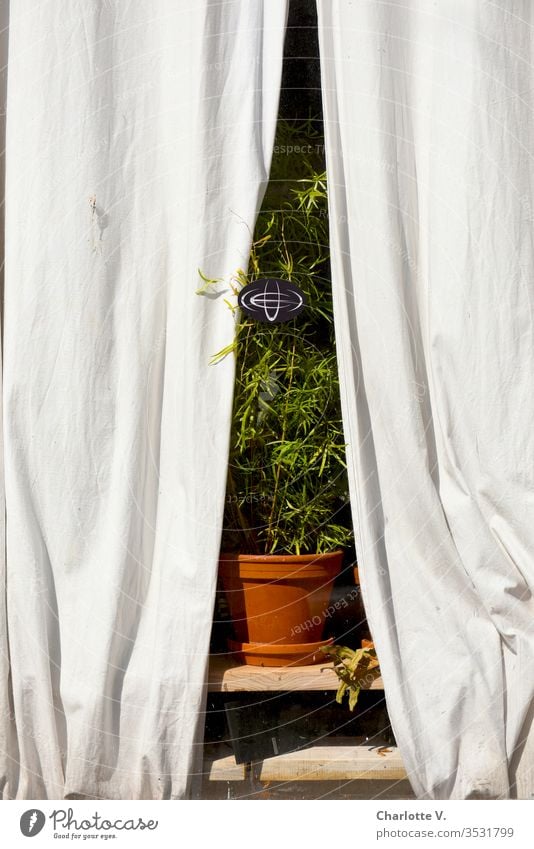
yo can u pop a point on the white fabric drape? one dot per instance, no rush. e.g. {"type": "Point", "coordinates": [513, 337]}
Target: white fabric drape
{"type": "Point", "coordinates": [7, 735]}
{"type": "Point", "coordinates": [139, 138]}
{"type": "Point", "coordinates": [430, 133]}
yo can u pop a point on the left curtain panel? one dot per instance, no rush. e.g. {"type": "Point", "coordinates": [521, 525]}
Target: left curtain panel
{"type": "Point", "coordinates": [139, 138]}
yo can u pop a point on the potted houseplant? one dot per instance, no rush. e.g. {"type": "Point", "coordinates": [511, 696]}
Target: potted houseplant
{"type": "Point", "coordinates": [286, 519]}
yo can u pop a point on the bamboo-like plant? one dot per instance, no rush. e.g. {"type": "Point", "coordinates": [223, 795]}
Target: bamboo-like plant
{"type": "Point", "coordinates": [287, 486]}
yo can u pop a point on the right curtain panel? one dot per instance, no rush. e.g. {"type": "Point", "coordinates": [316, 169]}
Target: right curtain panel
{"type": "Point", "coordinates": [429, 112]}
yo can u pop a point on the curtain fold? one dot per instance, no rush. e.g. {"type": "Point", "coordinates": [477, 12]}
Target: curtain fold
{"type": "Point", "coordinates": [8, 737]}
{"type": "Point", "coordinates": [139, 138]}
{"type": "Point", "coordinates": [429, 129]}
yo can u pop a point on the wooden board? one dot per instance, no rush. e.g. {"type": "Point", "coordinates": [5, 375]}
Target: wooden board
{"type": "Point", "coordinates": [226, 676]}
{"type": "Point", "coordinates": [219, 764]}
{"type": "Point", "coordinates": [333, 762]}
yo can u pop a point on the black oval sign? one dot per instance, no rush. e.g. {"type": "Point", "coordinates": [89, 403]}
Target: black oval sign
{"type": "Point", "coordinates": [272, 301]}
{"type": "Point", "coordinates": [32, 822]}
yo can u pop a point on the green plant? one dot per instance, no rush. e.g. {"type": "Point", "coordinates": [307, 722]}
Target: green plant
{"type": "Point", "coordinates": [354, 668]}
{"type": "Point", "coordinates": [287, 487]}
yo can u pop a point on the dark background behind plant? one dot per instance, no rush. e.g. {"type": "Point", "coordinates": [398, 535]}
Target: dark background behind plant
{"type": "Point", "coordinates": [300, 94]}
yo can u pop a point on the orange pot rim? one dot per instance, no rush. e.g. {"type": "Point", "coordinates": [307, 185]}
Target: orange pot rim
{"type": "Point", "coordinates": [226, 557]}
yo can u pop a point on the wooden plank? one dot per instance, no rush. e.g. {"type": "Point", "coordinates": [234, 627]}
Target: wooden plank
{"type": "Point", "coordinates": [226, 676]}
{"type": "Point", "coordinates": [220, 765]}
{"type": "Point", "coordinates": [333, 762]}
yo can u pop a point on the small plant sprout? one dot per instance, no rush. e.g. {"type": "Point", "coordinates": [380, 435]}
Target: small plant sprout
{"type": "Point", "coordinates": [354, 668]}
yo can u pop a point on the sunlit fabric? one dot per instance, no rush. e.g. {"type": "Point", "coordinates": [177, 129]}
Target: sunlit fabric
{"type": "Point", "coordinates": [139, 138]}
{"type": "Point", "coordinates": [430, 133]}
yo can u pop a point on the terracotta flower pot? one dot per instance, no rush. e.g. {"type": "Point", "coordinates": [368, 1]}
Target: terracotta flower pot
{"type": "Point", "coordinates": [278, 604]}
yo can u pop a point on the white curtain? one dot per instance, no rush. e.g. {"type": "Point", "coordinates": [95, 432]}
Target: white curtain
{"type": "Point", "coordinates": [430, 132]}
{"type": "Point", "coordinates": [7, 731]}
{"type": "Point", "coordinates": [139, 138]}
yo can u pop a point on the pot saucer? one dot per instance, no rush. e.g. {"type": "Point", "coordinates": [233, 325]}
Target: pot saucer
{"type": "Point", "coordinates": [279, 654]}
